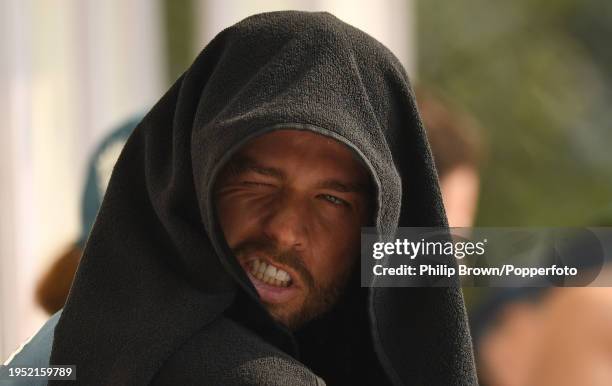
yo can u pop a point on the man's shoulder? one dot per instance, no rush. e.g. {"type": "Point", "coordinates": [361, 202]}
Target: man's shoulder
{"type": "Point", "coordinates": [224, 352]}
{"type": "Point", "coordinates": [35, 352]}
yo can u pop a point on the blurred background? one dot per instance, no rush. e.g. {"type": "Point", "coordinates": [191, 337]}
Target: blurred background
{"type": "Point", "coordinates": [527, 84]}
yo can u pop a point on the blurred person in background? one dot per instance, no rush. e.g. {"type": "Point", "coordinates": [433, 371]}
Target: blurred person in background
{"type": "Point", "coordinates": [457, 146]}
{"type": "Point", "coordinates": [54, 284]}
{"type": "Point", "coordinates": [547, 335]}
{"type": "Point", "coordinates": [217, 182]}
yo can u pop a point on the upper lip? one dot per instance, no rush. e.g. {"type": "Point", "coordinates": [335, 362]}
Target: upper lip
{"type": "Point", "coordinates": [268, 260]}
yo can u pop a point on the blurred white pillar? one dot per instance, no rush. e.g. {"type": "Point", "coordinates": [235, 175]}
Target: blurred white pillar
{"type": "Point", "coordinates": [70, 70]}
{"type": "Point", "coordinates": [392, 22]}
{"type": "Point", "coordinates": [14, 114]}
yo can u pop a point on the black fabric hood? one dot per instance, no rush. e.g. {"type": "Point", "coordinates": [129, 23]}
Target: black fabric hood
{"type": "Point", "coordinates": [156, 268]}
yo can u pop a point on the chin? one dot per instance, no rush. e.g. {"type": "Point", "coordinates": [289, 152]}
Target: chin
{"type": "Point", "coordinates": [291, 320]}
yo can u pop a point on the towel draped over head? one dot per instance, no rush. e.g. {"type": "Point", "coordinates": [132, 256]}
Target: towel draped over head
{"type": "Point", "coordinates": [156, 268]}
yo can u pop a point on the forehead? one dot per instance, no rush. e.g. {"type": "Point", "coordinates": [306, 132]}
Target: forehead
{"type": "Point", "coordinates": [304, 151]}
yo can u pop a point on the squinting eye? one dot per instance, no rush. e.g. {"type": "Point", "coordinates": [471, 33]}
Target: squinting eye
{"type": "Point", "coordinates": [253, 183]}
{"type": "Point", "coordinates": [334, 200]}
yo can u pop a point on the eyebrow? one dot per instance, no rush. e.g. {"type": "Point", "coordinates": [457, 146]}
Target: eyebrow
{"type": "Point", "coordinates": [241, 164]}
{"type": "Point", "coordinates": [343, 187]}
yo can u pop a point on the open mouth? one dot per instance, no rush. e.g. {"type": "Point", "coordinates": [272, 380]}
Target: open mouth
{"type": "Point", "coordinates": [273, 284]}
{"type": "Point", "coordinates": [269, 273]}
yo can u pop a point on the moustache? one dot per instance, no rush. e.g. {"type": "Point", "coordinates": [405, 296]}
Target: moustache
{"type": "Point", "coordinates": [290, 258]}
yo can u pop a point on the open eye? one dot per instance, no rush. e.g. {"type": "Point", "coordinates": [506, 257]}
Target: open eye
{"type": "Point", "coordinates": [334, 200]}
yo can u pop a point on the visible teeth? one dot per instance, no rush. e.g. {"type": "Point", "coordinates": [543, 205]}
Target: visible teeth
{"type": "Point", "coordinates": [270, 274]}
{"type": "Point", "coordinates": [262, 267]}
{"type": "Point", "coordinates": [270, 271]}
{"type": "Point", "coordinates": [280, 275]}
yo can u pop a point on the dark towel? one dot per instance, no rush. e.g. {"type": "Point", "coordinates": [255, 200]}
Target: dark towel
{"type": "Point", "coordinates": [156, 271]}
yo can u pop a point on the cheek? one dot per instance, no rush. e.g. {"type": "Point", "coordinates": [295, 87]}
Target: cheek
{"type": "Point", "coordinates": [335, 248]}
{"type": "Point", "coordinates": [240, 214]}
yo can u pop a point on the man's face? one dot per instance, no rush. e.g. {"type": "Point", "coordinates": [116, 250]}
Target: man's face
{"type": "Point", "coordinates": [291, 204]}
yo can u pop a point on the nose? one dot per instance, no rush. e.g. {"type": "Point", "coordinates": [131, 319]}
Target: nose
{"type": "Point", "coordinates": [285, 223]}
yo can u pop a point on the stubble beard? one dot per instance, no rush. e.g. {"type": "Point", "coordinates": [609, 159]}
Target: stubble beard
{"type": "Point", "coordinates": [319, 298]}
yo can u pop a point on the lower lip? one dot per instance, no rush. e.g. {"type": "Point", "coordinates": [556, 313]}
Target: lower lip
{"type": "Point", "coordinates": [272, 294]}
